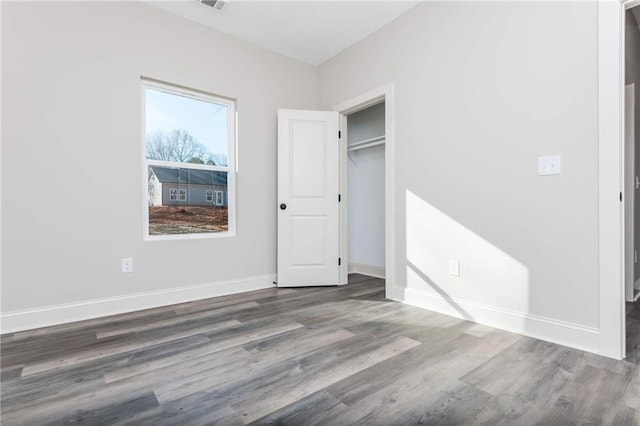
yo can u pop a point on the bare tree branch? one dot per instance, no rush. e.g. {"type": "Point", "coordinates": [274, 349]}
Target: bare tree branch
{"type": "Point", "coordinates": [177, 145]}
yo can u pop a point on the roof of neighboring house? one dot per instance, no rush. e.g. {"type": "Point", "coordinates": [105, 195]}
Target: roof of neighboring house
{"type": "Point", "coordinates": [189, 176]}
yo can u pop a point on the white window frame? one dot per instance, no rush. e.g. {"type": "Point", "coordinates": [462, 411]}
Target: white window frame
{"type": "Point", "coordinates": [173, 194]}
{"type": "Point", "coordinates": [182, 194]}
{"type": "Point", "coordinates": [221, 194]}
{"type": "Point", "coordinates": [208, 195]}
{"type": "Point", "coordinates": [231, 169]}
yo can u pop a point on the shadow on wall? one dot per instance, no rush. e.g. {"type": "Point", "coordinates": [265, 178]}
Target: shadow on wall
{"type": "Point", "coordinates": [489, 280]}
{"type": "Point", "coordinates": [435, 287]}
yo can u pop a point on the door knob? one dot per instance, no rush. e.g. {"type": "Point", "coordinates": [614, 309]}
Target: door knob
{"type": "Point", "coordinates": [283, 206]}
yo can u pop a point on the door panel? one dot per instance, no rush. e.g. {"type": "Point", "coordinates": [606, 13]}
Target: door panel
{"type": "Point", "coordinates": [308, 159]}
{"type": "Point", "coordinates": [308, 246]}
{"type": "Point", "coordinates": [308, 233]}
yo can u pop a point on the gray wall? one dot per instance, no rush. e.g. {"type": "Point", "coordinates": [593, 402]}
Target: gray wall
{"type": "Point", "coordinates": [632, 75]}
{"type": "Point", "coordinates": [71, 122]}
{"type": "Point", "coordinates": [482, 90]}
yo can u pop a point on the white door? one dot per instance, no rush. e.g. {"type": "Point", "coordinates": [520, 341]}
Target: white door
{"type": "Point", "coordinates": [308, 205]}
{"type": "Point", "coordinates": [630, 187]}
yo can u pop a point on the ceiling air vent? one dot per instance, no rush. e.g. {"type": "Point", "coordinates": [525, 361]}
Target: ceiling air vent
{"type": "Point", "coordinates": [219, 5]}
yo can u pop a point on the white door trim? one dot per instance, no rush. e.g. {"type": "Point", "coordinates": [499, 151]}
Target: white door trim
{"type": "Point", "coordinates": [611, 25]}
{"type": "Point", "coordinates": [347, 107]}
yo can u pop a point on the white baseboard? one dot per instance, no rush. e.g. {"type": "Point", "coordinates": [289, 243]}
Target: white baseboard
{"type": "Point", "coordinates": [370, 270]}
{"type": "Point", "coordinates": [88, 309]}
{"type": "Point", "coordinates": [560, 332]}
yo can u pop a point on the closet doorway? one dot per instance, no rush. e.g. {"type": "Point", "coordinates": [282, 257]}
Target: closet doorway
{"type": "Point", "coordinates": [367, 153]}
{"type": "Point", "coordinates": [632, 153]}
{"type": "Point", "coordinates": [366, 191]}
{"type": "Point", "coordinates": [631, 36]}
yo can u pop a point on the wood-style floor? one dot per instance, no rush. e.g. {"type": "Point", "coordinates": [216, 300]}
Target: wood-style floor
{"type": "Point", "coordinates": [340, 355]}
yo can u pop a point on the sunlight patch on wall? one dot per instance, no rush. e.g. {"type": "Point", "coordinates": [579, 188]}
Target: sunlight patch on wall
{"type": "Point", "coordinates": [488, 275]}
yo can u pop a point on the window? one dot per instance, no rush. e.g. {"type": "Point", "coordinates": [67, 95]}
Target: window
{"type": "Point", "coordinates": [189, 145]}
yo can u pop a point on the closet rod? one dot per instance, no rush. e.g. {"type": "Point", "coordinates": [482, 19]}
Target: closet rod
{"type": "Point", "coordinates": [368, 143]}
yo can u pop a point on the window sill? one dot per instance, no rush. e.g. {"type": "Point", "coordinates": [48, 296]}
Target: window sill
{"type": "Point", "coordinates": [181, 237]}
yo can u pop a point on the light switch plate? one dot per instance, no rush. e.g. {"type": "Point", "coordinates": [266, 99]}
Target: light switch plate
{"type": "Point", "coordinates": [549, 165]}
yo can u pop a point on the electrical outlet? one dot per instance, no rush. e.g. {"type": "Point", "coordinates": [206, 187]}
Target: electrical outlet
{"type": "Point", "coordinates": [454, 267]}
{"type": "Point", "coordinates": [549, 165]}
{"type": "Point", "coordinates": [127, 265]}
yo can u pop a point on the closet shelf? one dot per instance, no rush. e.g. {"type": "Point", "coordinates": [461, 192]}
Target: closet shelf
{"type": "Point", "coordinates": [367, 143]}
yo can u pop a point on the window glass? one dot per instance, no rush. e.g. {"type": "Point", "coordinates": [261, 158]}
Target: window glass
{"type": "Point", "coordinates": [189, 141]}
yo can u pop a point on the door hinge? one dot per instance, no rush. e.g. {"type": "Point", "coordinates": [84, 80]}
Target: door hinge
{"type": "Point", "coordinates": [620, 196]}
{"type": "Point", "coordinates": [339, 198]}
{"type": "Point", "coordinates": [339, 261]}
{"type": "Point", "coordinates": [339, 134]}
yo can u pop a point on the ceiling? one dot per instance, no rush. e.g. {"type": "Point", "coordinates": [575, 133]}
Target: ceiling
{"type": "Point", "coordinates": [308, 31]}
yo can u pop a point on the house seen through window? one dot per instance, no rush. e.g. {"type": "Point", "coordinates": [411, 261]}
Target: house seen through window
{"type": "Point", "coordinates": [189, 168]}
